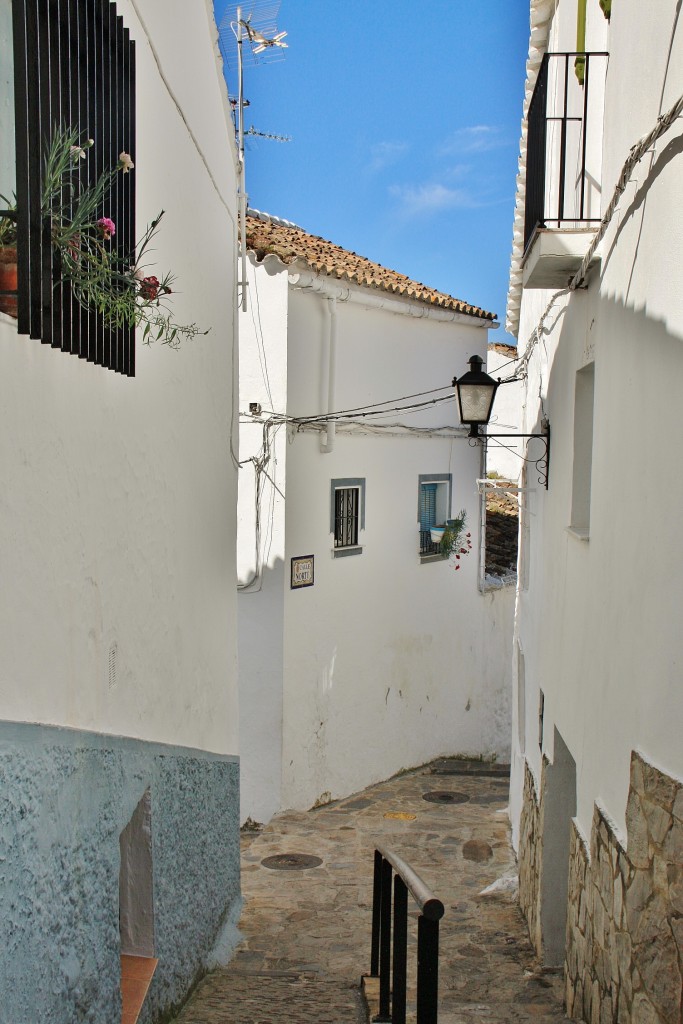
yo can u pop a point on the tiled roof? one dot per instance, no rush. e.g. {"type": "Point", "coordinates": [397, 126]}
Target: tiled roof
{"type": "Point", "coordinates": [504, 350]}
{"type": "Point", "coordinates": [288, 242]}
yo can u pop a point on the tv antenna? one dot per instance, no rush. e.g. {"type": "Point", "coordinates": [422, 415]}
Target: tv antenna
{"type": "Point", "coordinates": [255, 24]}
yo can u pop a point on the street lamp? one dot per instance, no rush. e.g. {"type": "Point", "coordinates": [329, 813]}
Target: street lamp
{"type": "Point", "coordinates": [476, 391]}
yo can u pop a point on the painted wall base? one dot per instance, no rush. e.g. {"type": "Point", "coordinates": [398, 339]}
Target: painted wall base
{"type": "Point", "coordinates": [624, 953]}
{"type": "Point", "coordinates": [65, 797]}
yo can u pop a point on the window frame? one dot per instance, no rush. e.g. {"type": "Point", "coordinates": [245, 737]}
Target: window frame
{"type": "Point", "coordinates": [443, 480]}
{"type": "Point", "coordinates": [347, 484]}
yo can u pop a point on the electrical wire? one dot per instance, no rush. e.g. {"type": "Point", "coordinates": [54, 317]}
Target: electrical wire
{"type": "Point", "coordinates": [376, 405]}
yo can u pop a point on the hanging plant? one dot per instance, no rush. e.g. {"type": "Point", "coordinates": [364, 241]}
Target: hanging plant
{"type": "Point", "coordinates": [117, 285]}
{"type": "Point", "coordinates": [456, 540]}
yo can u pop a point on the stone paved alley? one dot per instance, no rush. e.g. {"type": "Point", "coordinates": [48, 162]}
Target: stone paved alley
{"type": "Point", "coordinates": [306, 933]}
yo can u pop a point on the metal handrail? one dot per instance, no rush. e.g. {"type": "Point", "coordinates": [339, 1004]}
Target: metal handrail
{"type": "Point", "coordinates": [392, 970]}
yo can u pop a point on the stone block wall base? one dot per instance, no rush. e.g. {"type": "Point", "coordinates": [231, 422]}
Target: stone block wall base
{"type": "Point", "coordinates": [530, 859]}
{"type": "Point", "coordinates": [624, 953]}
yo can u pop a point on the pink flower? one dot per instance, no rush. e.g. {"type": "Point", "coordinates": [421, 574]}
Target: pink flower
{"type": "Point", "coordinates": [107, 227]}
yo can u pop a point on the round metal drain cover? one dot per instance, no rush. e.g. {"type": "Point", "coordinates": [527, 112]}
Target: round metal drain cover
{"type": "Point", "coordinates": [291, 862]}
{"type": "Point", "coordinates": [441, 796]}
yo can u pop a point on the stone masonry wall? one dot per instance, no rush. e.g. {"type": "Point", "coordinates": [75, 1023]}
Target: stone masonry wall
{"type": "Point", "coordinates": [624, 958]}
{"type": "Point", "coordinates": [530, 853]}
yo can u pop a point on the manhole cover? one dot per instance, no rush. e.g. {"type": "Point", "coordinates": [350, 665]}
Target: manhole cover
{"type": "Point", "coordinates": [291, 862]}
{"type": "Point", "coordinates": [440, 796]}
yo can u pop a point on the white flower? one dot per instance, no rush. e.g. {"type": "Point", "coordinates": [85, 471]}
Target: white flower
{"type": "Point", "coordinates": [125, 162]}
{"type": "Point", "coordinates": [77, 153]}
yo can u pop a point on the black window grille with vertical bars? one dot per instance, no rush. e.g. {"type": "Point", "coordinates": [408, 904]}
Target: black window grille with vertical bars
{"type": "Point", "coordinates": [346, 509]}
{"type": "Point", "coordinates": [74, 67]}
{"type": "Point", "coordinates": [562, 164]}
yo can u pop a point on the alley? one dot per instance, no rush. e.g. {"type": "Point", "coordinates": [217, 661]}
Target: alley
{"type": "Point", "coordinates": [306, 932]}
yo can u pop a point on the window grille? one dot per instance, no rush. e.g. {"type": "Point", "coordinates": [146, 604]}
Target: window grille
{"type": "Point", "coordinates": [74, 67]}
{"type": "Point", "coordinates": [347, 515]}
{"type": "Point", "coordinates": [346, 508]}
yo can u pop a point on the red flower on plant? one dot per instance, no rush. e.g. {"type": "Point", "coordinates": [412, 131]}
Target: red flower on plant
{"type": "Point", "coordinates": [149, 288]}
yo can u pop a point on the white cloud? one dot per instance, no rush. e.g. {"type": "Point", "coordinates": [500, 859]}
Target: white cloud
{"type": "Point", "coordinates": [430, 198]}
{"type": "Point", "coordinates": [477, 138]}
{"type": "Point", "coordinates": [384, 154]}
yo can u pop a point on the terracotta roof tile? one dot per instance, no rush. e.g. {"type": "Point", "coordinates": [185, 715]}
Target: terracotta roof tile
{"type": "Point", "coordinates": [288, 242]}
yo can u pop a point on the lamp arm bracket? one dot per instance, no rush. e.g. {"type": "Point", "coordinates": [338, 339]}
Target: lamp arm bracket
{"type": "Point", "coordinates": [542, 463]}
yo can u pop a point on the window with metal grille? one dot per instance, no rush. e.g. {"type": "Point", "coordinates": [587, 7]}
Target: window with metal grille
{"type": "Point", "coordinates": [433, 508]}
{"type": "Point", "coordinates": [74, 67]}
{"type": "Point", "coordinates": [347, 514]}
{"type": "Point", "coordinates": [346, 502]}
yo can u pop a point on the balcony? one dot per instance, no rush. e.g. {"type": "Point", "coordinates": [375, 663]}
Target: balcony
{"type": "Point", "coordinates": [563, 167]}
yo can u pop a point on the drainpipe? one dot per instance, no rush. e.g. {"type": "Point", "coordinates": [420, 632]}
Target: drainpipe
{"type": "Point", "coordinates": [327, 445]}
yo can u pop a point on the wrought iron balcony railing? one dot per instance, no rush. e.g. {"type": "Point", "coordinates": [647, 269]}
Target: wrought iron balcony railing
{"type": "Point", "coordinates": [564, 143]}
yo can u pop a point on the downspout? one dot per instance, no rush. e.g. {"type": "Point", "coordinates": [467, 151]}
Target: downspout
{"type": "Point", "coordinates": [327, 445]}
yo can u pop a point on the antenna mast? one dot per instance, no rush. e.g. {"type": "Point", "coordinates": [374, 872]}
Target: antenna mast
{"type": "Point", "coordinates": [265, 43]}
{"type": "Point", "coordinates": [241, 188]}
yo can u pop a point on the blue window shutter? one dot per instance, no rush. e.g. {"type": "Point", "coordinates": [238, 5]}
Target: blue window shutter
{"type": "Point", "coordinates": [427, 506]}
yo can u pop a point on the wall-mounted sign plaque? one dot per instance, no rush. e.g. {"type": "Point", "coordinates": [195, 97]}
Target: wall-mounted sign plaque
{"type": "Point", "coordinates": [302, 571]}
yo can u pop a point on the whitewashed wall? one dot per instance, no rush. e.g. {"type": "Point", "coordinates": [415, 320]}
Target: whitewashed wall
{"type": "Point", "coordinates": [118, 509]}
{"type": "Point", "coordinates": [600, 623]}
{"type": "Point", "coordinates": [385, 663]}
{"type": "Point", "coordinates": [504, 457]}
{"type": "Point", "coordinates": [263, 379]}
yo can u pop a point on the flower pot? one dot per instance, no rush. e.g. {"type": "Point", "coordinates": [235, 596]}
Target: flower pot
{"type": "Point", "coordinates": [8, 281]}
{"type": "Point", "coordinates": [436, 533]}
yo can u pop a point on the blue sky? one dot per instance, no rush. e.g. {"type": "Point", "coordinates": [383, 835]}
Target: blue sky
{"type": "Point", "coordinates": [405, 127]}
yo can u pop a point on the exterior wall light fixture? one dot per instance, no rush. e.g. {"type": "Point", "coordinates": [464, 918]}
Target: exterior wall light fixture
{"type": "Point", "coordinates": [476, 391]}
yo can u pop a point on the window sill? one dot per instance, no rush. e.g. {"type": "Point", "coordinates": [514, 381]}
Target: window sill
{"type": "Point", "coordinates": [424, 559]}
{"type": "Point", "coordinates": [344, 552]}
{"type": "Point", "coordinates": [579, 532]}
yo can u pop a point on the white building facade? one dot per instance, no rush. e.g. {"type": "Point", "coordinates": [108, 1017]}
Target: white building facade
{"type": "Point", "coordinates": [119, 829]}
{"type": "Point", "coordinates": [391, 656]}
{"type": "Point", "coordinates": [597, 759]}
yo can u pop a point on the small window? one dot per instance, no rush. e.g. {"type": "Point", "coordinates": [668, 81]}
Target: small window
{"type": "Point", "coordinates": [433, 509]}
{"type": "Point", "coordinates": [347, 515]}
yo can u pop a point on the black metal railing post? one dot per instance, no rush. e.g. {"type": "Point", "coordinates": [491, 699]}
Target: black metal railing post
{"type": "Point", "coordinates": [376, 911]}
{"type": "Point", "coordinates": [400, 964]}
{"type": "Point", "coordinates": [393, 973]}
{"type": "Point", "coordinates": [427, 970]}
{"type": "Point", "coordinates": [385, 946]}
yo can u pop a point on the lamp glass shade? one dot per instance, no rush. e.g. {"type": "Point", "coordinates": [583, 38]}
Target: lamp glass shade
{"type": "Point", "coordinates": [475, 400]}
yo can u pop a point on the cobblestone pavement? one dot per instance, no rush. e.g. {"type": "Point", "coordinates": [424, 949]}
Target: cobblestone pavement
{"type": "Point", "coordinates": [306, 933]}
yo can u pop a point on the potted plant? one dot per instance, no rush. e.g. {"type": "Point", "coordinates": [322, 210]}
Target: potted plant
{"type": "Point", "coordinates": [8, 256]}
{"type": "Point", "coordinates": [456, 539]}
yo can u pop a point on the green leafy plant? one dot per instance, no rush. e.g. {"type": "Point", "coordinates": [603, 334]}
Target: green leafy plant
{"type": "Point", "coordinates": [117, 285]}
{"type": "Point", "coordinates": [456, 540]}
